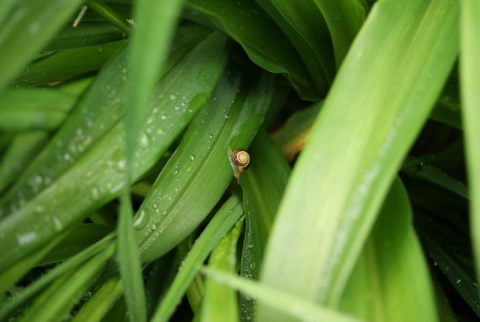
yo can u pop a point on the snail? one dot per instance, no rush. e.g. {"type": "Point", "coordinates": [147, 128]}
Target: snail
{"type": "Point", "coordinates": [240, 159]}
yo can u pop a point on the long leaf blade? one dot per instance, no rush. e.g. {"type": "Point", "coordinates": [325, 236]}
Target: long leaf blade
{"type": "Point", "coordinates": [334, 195]}
{"type": "Point", "coordinates": [470, 78]}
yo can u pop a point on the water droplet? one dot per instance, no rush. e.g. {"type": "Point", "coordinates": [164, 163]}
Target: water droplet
{"type": "Point", "coordinates": [210, 137]}
{"type": "Point", "coordinates": [121, 164]}
{"type": "Point", "coordinates": [154, 227]}
{"type": "Point", "coordinates": [144, 140]}
{"type": "Point", "coordinates": [26, 238]}
{"type": "Point", "coordinates": [172, 97]}
{"type": "Point", "coordinates": [100, 50]}
{"type": "Point", "coordinates": [139, 220]}
{"type": "Point", "coordinates": [192, 157]}
{"type": "Point", "coordinates": [67, 157]}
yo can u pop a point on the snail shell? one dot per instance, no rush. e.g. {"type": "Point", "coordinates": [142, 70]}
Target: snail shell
{"type": "Point", "coordinates": [241, 159]}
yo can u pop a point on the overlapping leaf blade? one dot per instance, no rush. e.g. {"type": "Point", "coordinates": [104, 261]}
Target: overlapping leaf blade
{"type": "Point", "coordinates": [220, 302]}
{"type": "Point", "coordinates": [344, 19]}
{"type": "Point", "coordinates": [304, 25]}
{"type": "Point", "coordinates": [391, 281]}
{"type": "Point", "coordinates": [264, 42]}
{"type": "Point", "coordinates": [334, 194]}
{"type": "Point", "coordinates": [469, 75]}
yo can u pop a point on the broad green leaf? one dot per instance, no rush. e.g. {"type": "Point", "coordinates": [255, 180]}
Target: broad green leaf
{"type": "Point", "coordinates": [92, 148]}
{"type": "Point", "coordinates": [85, 35]}
{"type": "Point", "coordinates": [220, 302]}
{"type": "Point", "coordinates": [303, 24]}
{"type": "Point", "coordinates": [29, 27]}
{"type": "Point", "coordinates": [34, 109]}
{"type": "Point", "coordinates": [262, 185]}
{"type": "Point", "coordinates": [261, 38]}
{"type": "Point", "coordinates": [344, 19]}
{"type": "Point", "coordinates": [5, 8]}
{"type": "Point", "coordinates": [356, 146]}
{"type": "Point", "coordinates": [179, 200]}
{"type": "Point", "coordinates": [470, 93]}
{"type": "Point", "coordinates": [292, 305]}
{"type": "Point", "coordinates": [391, 281]}
{"type": "Point", "coordinates": [99, 111]}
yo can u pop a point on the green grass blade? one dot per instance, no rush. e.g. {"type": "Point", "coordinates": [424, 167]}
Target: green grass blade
{"type": "Point", "coordinates": [34, 109]}
{"type": "Point", "coordinates": [86, 34]}
{"type": "Point", "coordinates": [344, 19]}
{"type": "Point", "coordinates": [56, 301]}
{"type": "Point", "coordinates": [73, 263]}
{"type": "Point", "coordinates": [179, 201]}
{"type": "Point", "coordinates": [110, 15]}
{"type": "Point", "coordinates": [470, 78]}
{"type": "Point", "coordinates": [101, 302]}
{"type": "Point", "coordinates": [66, 64]}
{"type": "Point", "coordinates": [292, 305]}
{"type": "Point", "coordinates": [334, 194]}
{"type": "Point", "coordinates": [220, 302]}
{"type": "Point", "coordinates": [155, 21]}
{"type": "Point", "coordinates": [391, 269]}
{"type": "Point", "coordinates": [262, 39]}
{"type": "Point", "coordinates": [129, 263]}
{"type": "Point", "coordinates": [437, 176]}
{"type": "Point", "coordinates": [149, 48]}
{"type": "Point", "coordinates": [29, 28]}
